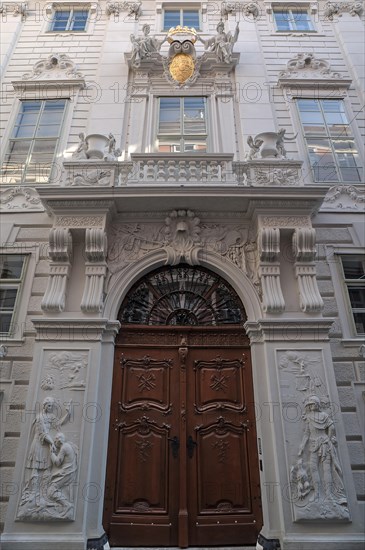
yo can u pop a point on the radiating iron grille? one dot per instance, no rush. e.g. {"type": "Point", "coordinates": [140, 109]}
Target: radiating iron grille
{"type": "Point", "coordinates": [184, 296]}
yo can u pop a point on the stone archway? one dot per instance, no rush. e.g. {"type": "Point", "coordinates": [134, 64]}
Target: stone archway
{"type": "Point", "coordinates": [182, 357]}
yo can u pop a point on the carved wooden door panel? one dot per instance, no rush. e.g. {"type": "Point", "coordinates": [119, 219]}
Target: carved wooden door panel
{"type": "Point", "coordinates": [223, 479]}
{"type": "Point", "coordinates": [142, 472]}
{"type": "Point", "coordinates": [182, 460]}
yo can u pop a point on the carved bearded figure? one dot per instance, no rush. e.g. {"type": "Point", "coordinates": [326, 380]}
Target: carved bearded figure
{"type": "Point", "coordinates": [39, 462]}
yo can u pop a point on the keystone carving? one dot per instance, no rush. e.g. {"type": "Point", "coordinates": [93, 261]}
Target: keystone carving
{"type": "Point", "coordinates": [60, 251]}
{"type": "Point", "coordinates": [182, 232]}
{"type": "Point", "coordinates": [95, 270]}
{"type": "Point", "coordinates": [55, 67]}
{"type": "Point", "coordinates": [304, 247]}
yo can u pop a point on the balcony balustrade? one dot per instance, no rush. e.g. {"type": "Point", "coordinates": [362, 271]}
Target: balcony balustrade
{"type": "Point", "coordinates": [182, 170]}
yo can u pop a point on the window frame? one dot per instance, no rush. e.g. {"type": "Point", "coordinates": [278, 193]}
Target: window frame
{"type": "Point", "coordinates": [19, 284]}
{"type": "Point", "coordinates": [311, 6]}
{"type": "Point", "coordinates": [71, 9]}
{"type": "Point", "coordinates": [304, 137]}
{"type": "Point", "coordinates": [9, 138]}
{"type": "Point", "coordinates": [291, 18]}
{"type": "Point", "coordinates": [180, 8]}
{"type": "Point", "coordinates": [348, 283]}
{"type": "Point", "coordinates": [183, 138]}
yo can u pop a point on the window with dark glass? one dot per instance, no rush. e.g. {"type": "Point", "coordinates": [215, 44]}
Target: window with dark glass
{"type": "Point", "coordinates": [11, 278]}
{"type": "Point", "coordinates": [182, 295]}
{"type": "Point", "coordinates": [183, 17]}
{"type": "Point", "coordinates": [354, 275]}
{"type": "Point", "coordinates": [292, 19]}
{"type": "Point", "coordinates": [182, 125]}
{"type": "Point", "coordinates": [69, 20]}
{"type": "Point", "coordinates": [30, 153]}
{"type": "Point", "coordinates": [331, 146]}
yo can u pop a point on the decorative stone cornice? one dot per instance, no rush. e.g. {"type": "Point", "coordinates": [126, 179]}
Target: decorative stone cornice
{"type": "Point", "coordinates": [77, 330]}
{"type": "Point", "coordinates": [20, 199]}
{"type": "Point", "coordinates": [306, 70]}
{"type": "Point", "coordinates": [289, 330]}
{"type": "Point", "coordinates": [338, 8]}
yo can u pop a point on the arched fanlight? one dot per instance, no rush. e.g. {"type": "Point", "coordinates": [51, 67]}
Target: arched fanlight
{"type": "Point", "coordinates": [182, 296]}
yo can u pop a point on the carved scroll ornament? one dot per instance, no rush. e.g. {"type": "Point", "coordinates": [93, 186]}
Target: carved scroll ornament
{"type": "Point", "coordinates": [60, 251]}
{"type": "Point", "coordinates": [56, 66]}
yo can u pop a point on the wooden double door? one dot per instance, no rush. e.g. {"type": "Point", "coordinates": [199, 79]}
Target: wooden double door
{"type": "Point", "coordinates": [182, 460]}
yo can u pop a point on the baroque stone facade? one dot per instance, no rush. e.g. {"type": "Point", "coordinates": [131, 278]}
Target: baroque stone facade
{"type": "Point", "coordinates": [227, 187]}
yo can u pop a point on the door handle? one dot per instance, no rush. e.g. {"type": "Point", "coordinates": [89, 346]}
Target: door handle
{"type": "Point", "coordinates": [191, 444]}
{"type": "Point", "coordinates": [175, 445]}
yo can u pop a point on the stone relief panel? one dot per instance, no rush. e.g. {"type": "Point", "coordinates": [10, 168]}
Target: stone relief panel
{"type": "Point", "coordinates": [344, 198]}
{"type": "Point", "coordinates": [185, 237]}
{"type": "Point", "coordinates": [20, 199]}
{"type": "Point", "coordinates": [50, 476]}
{"type": "Point", "coordinates": [316, 479]}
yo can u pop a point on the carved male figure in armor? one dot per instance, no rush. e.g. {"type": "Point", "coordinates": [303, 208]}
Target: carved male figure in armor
{"type": "Point", "coordinates": [324, 465]}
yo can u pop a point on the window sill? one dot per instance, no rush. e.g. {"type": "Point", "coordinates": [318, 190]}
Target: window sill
{"type": "Point", "coordinates": [9, 341]}
{"type": "Point", "coordinates": [296, 33]}
{"type": "Point", "coordinates": [353, 342]}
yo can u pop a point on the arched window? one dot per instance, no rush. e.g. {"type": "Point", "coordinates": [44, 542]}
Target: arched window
{"type": "Point", "coordinates": [184, 296]}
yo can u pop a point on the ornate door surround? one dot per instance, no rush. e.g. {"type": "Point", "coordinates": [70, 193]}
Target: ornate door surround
{"type": "Point", "coordinates": [182, 459]}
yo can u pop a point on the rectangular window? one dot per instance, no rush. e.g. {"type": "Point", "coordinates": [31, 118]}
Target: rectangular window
{"type": "Point", "coordinates": [183, 17]}
{"type": "Point", "coordinates": [354, 275]}
{"type": "Point", "coordinates": [182, 125]}
{"type": "Point", "coordinates": [292, 19]}
{"type": "Point", "coordinates": [33, 142]}
{"type": "Point", "coordinates": [69, 20]}
{"type": "Point", "coordinates": [11, 278]}
{"type": "Point", "coordinates": [332, 150]}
